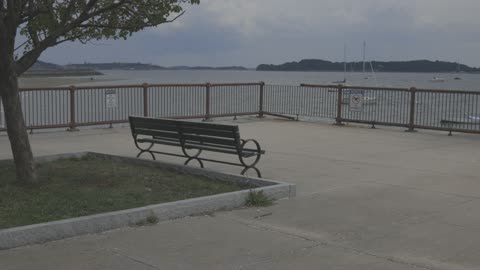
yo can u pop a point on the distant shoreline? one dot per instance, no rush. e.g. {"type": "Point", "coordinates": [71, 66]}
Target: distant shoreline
{"type": "Point", "coordinates": [62, 73]}
{"type": "Point", "coordinates": [141, 66]}
{"type": "Point", "coordinates": [415, 66]}
{"type": "Point", "coordinates": [61, 81]}
{"type": "Point", "coordinates": [376, 71]}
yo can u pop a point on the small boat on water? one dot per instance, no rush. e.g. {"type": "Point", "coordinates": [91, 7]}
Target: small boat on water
{"type": "Point", "coordinates": [468, 120]}
{"type": "Point", "coordinates": [437, 79]}
{"type": "Point", "coordinates": [340, 82]}
{"type": "Point", "coordinates": [473, 118]}
{"type": "Point", "coordinates": [459, 70]}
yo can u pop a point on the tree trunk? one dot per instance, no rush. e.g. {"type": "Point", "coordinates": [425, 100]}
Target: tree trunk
{"type": "Point", "coordinates": [16, 129]}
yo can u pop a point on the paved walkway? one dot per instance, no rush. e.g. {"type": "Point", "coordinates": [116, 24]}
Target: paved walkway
{"type": "Point", "coordinates": [367, 199]}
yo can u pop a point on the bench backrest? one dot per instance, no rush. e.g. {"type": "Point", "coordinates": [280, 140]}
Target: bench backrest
{"type": "Point", "coordinates": [189, 132]}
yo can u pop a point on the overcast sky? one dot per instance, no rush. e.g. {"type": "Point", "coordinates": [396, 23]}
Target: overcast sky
{"type": "Point", "coordinates": [251, 32]}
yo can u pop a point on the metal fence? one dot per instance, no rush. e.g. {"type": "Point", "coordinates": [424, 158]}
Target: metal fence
{"type": "Point", "coordinates": [72, 107]}
{"type": "Point", "coordinates": [448, 110]}
{"type": "Point", "coordinates": [318, 102]}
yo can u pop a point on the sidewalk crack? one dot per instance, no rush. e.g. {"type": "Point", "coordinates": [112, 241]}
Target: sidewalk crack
{"type": "Point", "coordinates": [116, 252]}
{"type": "Point", "coordinates": [318, 242]}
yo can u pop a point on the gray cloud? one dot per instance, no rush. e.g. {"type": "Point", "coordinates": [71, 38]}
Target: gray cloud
{"type": "Point", "coordinates": [250, 32]}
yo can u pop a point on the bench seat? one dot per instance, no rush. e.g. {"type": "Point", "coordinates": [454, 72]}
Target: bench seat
{"type": "Point", "coordinates": [194, 136]}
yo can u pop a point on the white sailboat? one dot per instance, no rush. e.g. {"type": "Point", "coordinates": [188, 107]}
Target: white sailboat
{"type": "Point", "coordinates": [365, 75]}
{"type": "Point", "coordinates": [467, 120]}
{"type": "Point", "coordinates": [364, 53]}
{"type": "Point", "coordinates": [474, 118]}
{"type": "Point", "coordinates": [437, 80]}
{"type": "Point", "coordinates": [457, 78]}
{"type": "Point", "coordinates": [368, 99]}
{"type": "Point", "coordinates": [344, 67]}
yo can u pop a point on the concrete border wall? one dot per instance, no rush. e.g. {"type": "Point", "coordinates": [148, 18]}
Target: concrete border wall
{"type": "Point", "coordinates": [41, 233]}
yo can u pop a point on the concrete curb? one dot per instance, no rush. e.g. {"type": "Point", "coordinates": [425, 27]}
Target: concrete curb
{"type": "Point", "coordinates": [45, 232]}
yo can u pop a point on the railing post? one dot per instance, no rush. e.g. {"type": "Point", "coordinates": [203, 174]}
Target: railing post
{"type": "Point", "coordinates": [145, 99]}
{"type": "Point", "coordinates": [73, 121]}
{"type": "Point", "coordinates": [413, 102]}
{"type": "Point", "coordinates": [338, 120]}
{"type": "Point", "coordinates": [260, 109]}
{"type": "Point", "coordinates": [207, 102]}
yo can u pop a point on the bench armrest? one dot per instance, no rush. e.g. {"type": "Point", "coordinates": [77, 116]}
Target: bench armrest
{"type": "Point", "coordinates": [257, 146]}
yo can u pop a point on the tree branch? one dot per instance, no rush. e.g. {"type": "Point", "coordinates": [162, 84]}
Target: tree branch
{"type": "Point", "coordinates": [33, 35]}
{"type": "Point", "coordinates": [21, 45]}
{"type": "Point", "coordinates": [91, 25]}
{"type": "Point", "coordinates": [28, 59]}
{"type": "Point", "coordinates": [68, 12]}
{"type": "Point", "coordinates": [176, 17]}
{"type": "Point", "coordinates": [2, 8]}
{"type": "Point", "coordinates": [10, 10]}
{"type": "Point", "coordinates": [27, 16]}
{"type": "Point", "coordinates": [87, 18]}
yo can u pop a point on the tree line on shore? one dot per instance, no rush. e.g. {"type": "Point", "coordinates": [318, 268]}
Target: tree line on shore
{"type": "Point", "coordinates": [377, 66]}
{"type": "Point", "coordinates": [40, 65]}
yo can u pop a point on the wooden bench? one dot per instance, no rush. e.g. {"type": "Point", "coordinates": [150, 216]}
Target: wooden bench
{"type": "Point", "coordinates": [194, 138]}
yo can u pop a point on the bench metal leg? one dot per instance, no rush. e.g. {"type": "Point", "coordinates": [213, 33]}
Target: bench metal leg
{"type": "Point", "coordinates": [259, 174]}
{"type": "Point", "coordinates": [257, 156]}
{"type": "Point", "coordinates": [191, 157]}
{"type": "Point", "coordinates": [197, 159]}
{"type": "Point", "coordinates": [142, 152]}
{"type": "Point", "coordinates": [142, 149]}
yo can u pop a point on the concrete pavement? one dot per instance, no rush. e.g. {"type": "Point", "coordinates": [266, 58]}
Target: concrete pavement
{"type": "Point", "coordinates": [366, 199]}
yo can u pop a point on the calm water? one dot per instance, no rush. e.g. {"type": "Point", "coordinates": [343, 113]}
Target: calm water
{"type": "Point", "coordinates": [419, 80]}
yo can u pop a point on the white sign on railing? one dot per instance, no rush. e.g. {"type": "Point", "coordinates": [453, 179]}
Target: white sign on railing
{"type": "Point", "coordinates": [356, 101]}
{"type": "Point", "coordinates": [111, 99]}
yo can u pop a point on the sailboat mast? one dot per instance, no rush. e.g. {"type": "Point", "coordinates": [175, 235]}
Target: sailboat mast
{"type": "Point", "coordinates": [345, 62]}
{"type": "Point", "coordinates": [364, 53]}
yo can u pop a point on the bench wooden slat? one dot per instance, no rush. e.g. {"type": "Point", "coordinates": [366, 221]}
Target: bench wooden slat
{"type": "Point", "coordinates": [154, 126]}
{"type": "Point", "coordinates": [158, 134]}
{"type": "Point", "coordinates": [211, 148]}
{"type": "Point", "coordinates": [192, 143]}
{"type": "Point", "coordinates": [208, 132]}
{"type": "Point", "coordinates": [208, 126]}
{"type": "Point", "coordinates": [227, 150]}
{"type": "Point", "coordinates": [136, 119]}
{"type": "Point", "coordinates": [186, 127]}
{"type": "Point", "coordinates": [213, 140]}
{"type": "Point", "coordinates": [188, 145]}
{"type": "Point", "coordinates": [222, 150]}
{"type": "Point", "coordinates": [188, 138]}
{"type": "Point", "coordinates": [159, 141]}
